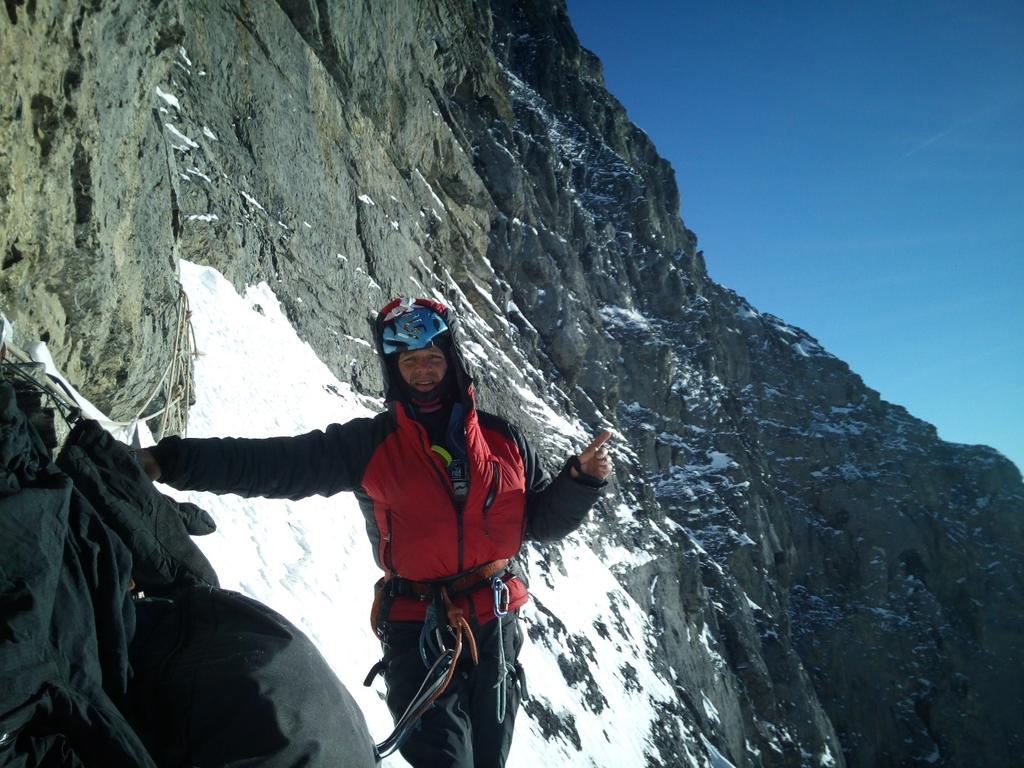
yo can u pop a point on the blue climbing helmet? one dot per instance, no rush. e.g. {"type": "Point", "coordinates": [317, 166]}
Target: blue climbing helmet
{"type": "Point", "coordinates": [410, 326]}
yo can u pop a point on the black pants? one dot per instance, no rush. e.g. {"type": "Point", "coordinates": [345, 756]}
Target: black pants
{"type": "Point", "coordinates": [461, 729]}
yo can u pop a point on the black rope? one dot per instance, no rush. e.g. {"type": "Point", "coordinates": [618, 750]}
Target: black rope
{"type": "Point", "coordinates": [431, 684]}
{"type": "Point", "coordinates": [70, 413]}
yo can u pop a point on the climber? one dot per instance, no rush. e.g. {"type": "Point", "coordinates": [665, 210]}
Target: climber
{"type": "Point", "coordinates": [449, 494]}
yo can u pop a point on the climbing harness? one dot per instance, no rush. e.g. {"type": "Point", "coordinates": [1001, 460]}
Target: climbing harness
{"type": "Point", "coordinates": [443, 616]}
{"type": "Point", "coordinates": [388, 588]}
{"type": "Point", "coordinates": [440, 673]}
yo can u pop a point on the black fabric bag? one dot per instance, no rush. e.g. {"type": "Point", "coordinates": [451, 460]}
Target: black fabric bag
{"type": "Point", "coordinates": [222, 680]}
{"type": "Point", "coordinates": [214, 679]}
{"type": "Point", "coordinates": [65, 616]}
{"type": "Point", "coordinates": [154, 527]}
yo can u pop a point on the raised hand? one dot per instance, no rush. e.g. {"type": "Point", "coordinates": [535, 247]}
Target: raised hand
{"type": "Point", "coordinates": [594, 460]}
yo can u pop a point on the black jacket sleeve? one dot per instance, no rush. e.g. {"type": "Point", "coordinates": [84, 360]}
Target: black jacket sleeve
{"type": "Point", "coordinates": [554, 508]}
{"type": "Point", "coordinates": [316, 463]}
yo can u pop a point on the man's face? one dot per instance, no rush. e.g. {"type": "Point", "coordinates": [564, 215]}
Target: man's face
{"type": "Point", "coordinates": [422, 369]}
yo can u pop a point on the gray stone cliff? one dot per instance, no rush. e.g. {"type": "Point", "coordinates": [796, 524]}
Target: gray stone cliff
{"type": "Point", "coordinates": [827, 582]}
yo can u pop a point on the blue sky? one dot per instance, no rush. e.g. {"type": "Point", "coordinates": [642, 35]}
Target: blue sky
{"type": "Point", "coordinates": [856, 168]}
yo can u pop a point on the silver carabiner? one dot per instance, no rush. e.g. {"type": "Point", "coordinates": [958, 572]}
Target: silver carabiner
{"type": "Point", "coordinates": [501, 596]}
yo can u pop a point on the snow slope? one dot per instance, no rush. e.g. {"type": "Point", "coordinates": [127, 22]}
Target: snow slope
{"type": "Point", "coordinates": [310, 559]}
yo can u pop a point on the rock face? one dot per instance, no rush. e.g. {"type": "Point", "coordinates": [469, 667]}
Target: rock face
{"type": "Point", "coordinates": [827, 583]}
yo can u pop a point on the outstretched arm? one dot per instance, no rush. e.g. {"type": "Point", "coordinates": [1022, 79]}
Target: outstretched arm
{"type": "Point", "coordinates": [316, 463]}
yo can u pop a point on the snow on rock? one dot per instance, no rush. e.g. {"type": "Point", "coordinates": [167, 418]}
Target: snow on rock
{"type": "Point", "coordinates": [430, 189]}
{"type": "Point", "coordinates": [186, 142]}
{"type": "Point", "coordinates": [612, 678]}
{"type": "Point", "coordinates": [626, 318]}
{"type": "Point", "coordinates": [254, 202]}
{"type": "Point", "coordinates": [169, 98]}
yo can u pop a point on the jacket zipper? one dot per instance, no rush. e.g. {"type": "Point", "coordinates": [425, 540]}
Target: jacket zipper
{"type": "Point", "coordinates": [492, 492]}
{"type": "Point", "coordinates": [432, 459]}
{"type": "Point", "coordinates": [387, 546]}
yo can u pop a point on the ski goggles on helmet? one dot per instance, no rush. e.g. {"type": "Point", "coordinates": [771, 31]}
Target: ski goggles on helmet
{"type": "Point", "coordinates": [416, 328]}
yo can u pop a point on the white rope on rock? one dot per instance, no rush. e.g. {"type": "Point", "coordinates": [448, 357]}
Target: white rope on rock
{"type": "Point", "coordinates": [176, 380]}
{"type": "Point", "coordinates": [177, 375]}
